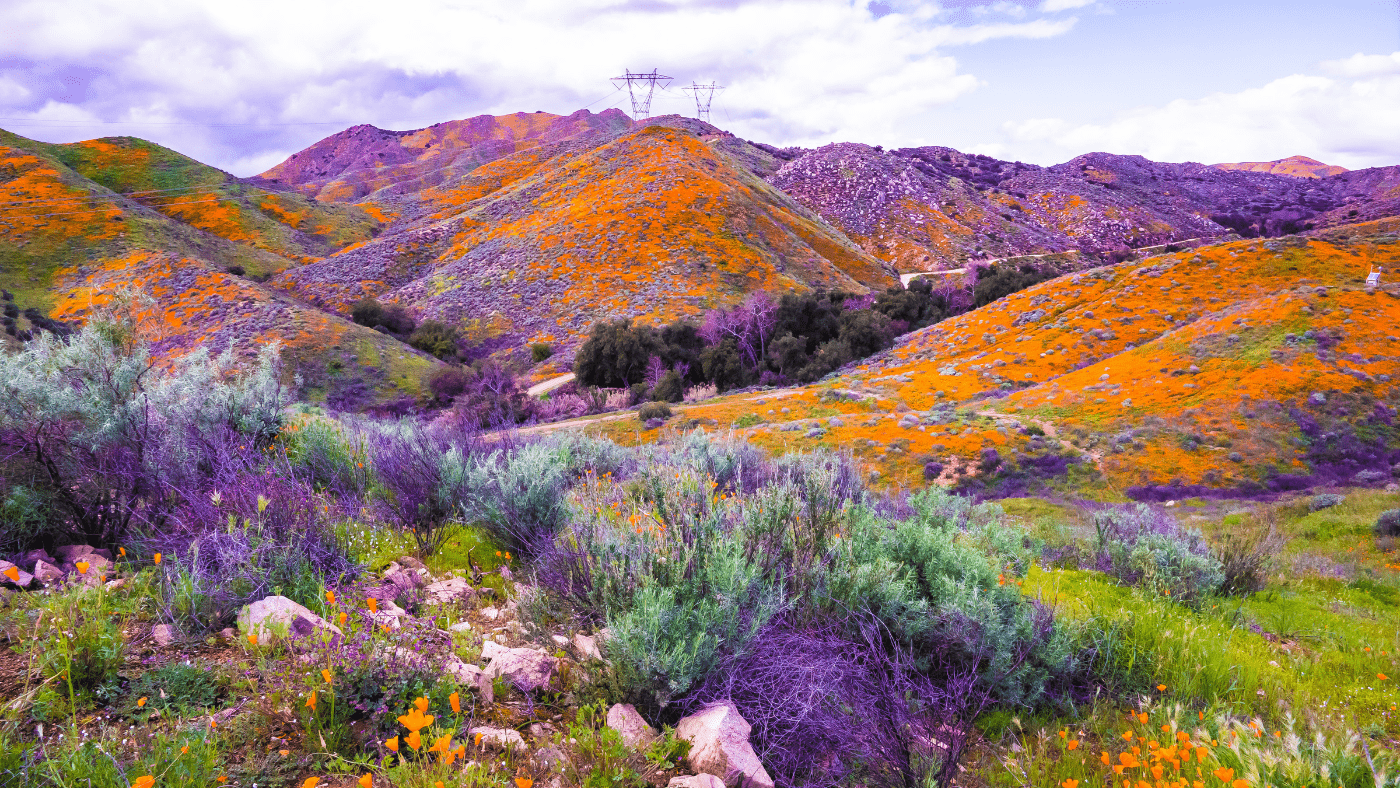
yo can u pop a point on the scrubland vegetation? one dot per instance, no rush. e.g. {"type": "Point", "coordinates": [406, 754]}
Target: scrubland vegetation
{"type": "Point", "coordinates": [868, 636]}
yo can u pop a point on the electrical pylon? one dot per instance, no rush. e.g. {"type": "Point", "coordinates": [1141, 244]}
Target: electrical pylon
{"type": "Point", "coordinates": [640, 87]}
{"type": "Point", "coordinates": [704, 94]}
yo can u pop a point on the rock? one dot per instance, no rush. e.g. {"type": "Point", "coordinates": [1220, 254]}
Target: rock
{"type": "Point", "coordinates": [21, 580]}
{"type": "Point", "coordinates": [490, 613]}
{"type": "Point", "coordinates": [163, 634]}
{"type": "Point", "coordinates": [696, 781]}
{"type": "Point", "coordinates": [527, 669]}
{"type": "Point", "coordinates": [47, 573]}
{"type": "Point", "coordinates": [549, 759]}
{"type": "Point", "coordinates": [460, 626]}
{"type": "Point", "coordinates": [273, 614]}
{"type": "Point", "coordinates": [97, 568]}
{"type": "Point", "coordinates": [228, 633]}
{"type": "Point", "coordinates": [635, 731]}
{"type": "Point", "coordinates": [471, 676]}
{"type": "Point", "coordinates": [447, 592]}
{"type": "Point", "coordinates": [719, 744]}
{"type": "Point", "coordinates": [29, 558]}
{"type": "Point", "coordinates": [586, 647]}
{"type": "Point", "coordinates": [560, 641]}
{"type": "Point", "coordinates": [500, 738]}
{"type": "Point", "coordinates": [71, 553]}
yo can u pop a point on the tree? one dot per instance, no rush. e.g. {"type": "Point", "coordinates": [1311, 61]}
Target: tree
{"type": "Point", "coordinates": [437, 338]}
{"type": "Point", "coordinates": [750, 325]}
{"type": "Point", "coordinates": [615, 355]}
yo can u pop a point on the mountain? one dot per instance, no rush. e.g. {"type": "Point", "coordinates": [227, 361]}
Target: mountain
{"type": "Point", "coordinates": [82, 220]}
{"type": "Point", "coordinates": [584, 222]}
{"type": "Point", "coordinates": [1235, 368]}
{"type": "Point", "coordinates": [1295, 166]}
{"type": "Point", "coordinates": [936, 208]}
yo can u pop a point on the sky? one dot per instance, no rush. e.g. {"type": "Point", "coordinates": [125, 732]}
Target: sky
{"type": "Point", "coordinates": [243, 85]}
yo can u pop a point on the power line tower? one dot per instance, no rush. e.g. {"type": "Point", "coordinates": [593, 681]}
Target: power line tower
{"type": "Point", "coordinates": [640, 87]}
{"type": "Point", "coordinates": [704, 94]}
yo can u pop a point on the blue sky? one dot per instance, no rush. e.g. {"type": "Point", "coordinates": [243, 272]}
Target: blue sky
{"type": "Point", "coordinates": [242, 86]}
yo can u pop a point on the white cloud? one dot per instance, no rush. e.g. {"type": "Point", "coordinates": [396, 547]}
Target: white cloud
{"type": "Point", "coordinates": [1351, 118]}
{"type": "Point", "coordinates": [1051, 6]}
{"type": "Point", "coordinates": [799, 71]}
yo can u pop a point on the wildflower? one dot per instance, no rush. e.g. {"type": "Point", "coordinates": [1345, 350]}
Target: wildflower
{"type": "Point", "coordinates": [523, 782]}
{"type": "Point", "coordinates": [1182, 736]}
{"type": "Point", "coordinates": [372, 604]}
{"type": "Point", "coordinates": [141, 702]}
{"type": "Point", "coordinates": [1070, 784]}
{"type": "Point", "coordinates": [310, 782]}
{"type": "Point", "coordinates": [13, 574]}
{"type": "Point", "coordinates": [1240, 784]}
{"type": "Point", "coordinates": [1072, 744]}
{"type": "Point", "coordinates": [1161, 688]}
{"type": "Point", "coordinates": [1064, 733]}
{"type": "Point", "coordinates": [438, 784]}
{"type": "Point", "coordinates": [392, 744]}
{"type": "Point", "coordinates": [121, 551]}
{"type": "Point", "coordinates": [1142, 718]}
{"type": "Point", "coordinates": [456, 702]}
{"type": "Point", "coordinates": [416, 720]}
{"type": "Point", "coordinates": [252, 638]}
{"type": "Point", "coordinates": [145, 781]}
{"type": "Point", "coordinates": [185, 750]}
{"type": "Point", "coordinates": [311, 701]}
{"type": "Point", "coordinates": [221, 779]}
{"type": "Point", "coordinates": [367, 781]}
{"type": "Point", "coordinates": [1156, 771]}
{"type": "Point", "coordinates": [1128, 760]}
{"type": "Point", "coordinates": [1127, 735]}
{"type": "Point", "coordinates": [1382, 677]}
{"type": "Point", "coordinates": [156, 558]}
{"type": "Point", "coordinates": [1224, 774]}
{"type": "Point", "coordinates": [507, 555]}
{"type": "Point", "coordinates": [330, 597]}
{"type": "Point", "coordinates": [82, 567]}
{"type": "Point", "coordinates": [342, 618]}
{"type": "Point", "coordinates": [414, 740]}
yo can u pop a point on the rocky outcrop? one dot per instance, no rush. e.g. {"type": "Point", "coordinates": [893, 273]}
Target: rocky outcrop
{"type": "Point", "coordinates": [719, 745]}
{"type": "Point", "coordinates": [274, 615]}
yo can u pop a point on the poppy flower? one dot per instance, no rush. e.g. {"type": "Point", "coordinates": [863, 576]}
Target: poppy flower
{"type": "Point", "coordinates": [121, 551]}
{"type": "Point", "coordinates": [1072, 744]}
{"type": "Point", "coordinates": [367, 781]}
{"type": "Point", "coordinates": [185, 750]}
{"type": "Point", "coordinates": [330, 597]}
{"type": "Point", "coordinates": [141, 702]}
{"type": "Point", "coordinates": [392, 744]}
{"type": "Point", "coordinates": [343, 618]}
{"type": "Point", "coordinates": [1103, 756]}
{"type": "Point", "coordinates": [1070, 784]}
{"type": "Point", "coordinates": [326, 674]}
{"type": "Point", "coordinates": [13, 574]}
{"type": "Point", "coordinates": [311, 701]}
{"type": "Point", "coordinates": [310, 782]}
{"type": "Point", "coordinates": [416, 720]}
{"type": "Point", "coordinates": [456, 702]}
{"type": "Point", "coordinates": [1128, 760]}
{"type": "Point", "coordinates": [523, 782]}
{"type": "Point", "coordinates": [1224, 774]}
{"type": "Point", "coordinates": [1142, 718]}
{"type": "Point", "coordinates": [1382, 677]}
{"type": "Point", "coordinates": [372, 604]}
{"type": "Point", "coordinates": [252, 639]}
{"type": "Point", "coordinates": [221, 779]}
{"type": "Point", "coordinates": [1127, 735]}
{"type": "Point", "coordinates": [156, 558]}
{"type": "Point", "coordinates": [145, 781]}
{"type": "Point", "coordinates": [1240, 784]}
{"type": "Point", "coordinates": [82, 567]}
{"type": "Point", "coordinates": [414, 740]}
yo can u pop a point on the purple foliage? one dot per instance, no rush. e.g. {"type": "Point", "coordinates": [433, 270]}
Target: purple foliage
{"type": "Point", "coordinates": [1024, 474]}
{"type": "Point", "coordinates": [750, 325]}
{"type": "Point", "coordinates": [407, 460]}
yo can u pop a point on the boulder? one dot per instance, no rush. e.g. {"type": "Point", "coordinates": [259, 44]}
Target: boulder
{"type": "Point", "coordinates": [28, 559]}
{"type": "Point", "coordinates": [471, 676]}
{"type": "Point", "coordinates": [635, 731]}
{"type": "Point", "coordinates": [72, 553]}
{"type": "Point", "coordinates": [719, 745]}
{"type": "Point", "coordinates": [696, 781]}
{"type": "Point", "coordinates": [268, 616]}
{"type": "Point", "coordinates": [587, 647]}
{"type": "Point", "coordinates": [500, 738]}
{"type": "Point", "coordinates": [447, 592]}
{"type": "Point", "coordinates": [47, 573]}
{"type": "Point", "coordinates": [528, 669]}
{"type": "Point", "coordinates": [21, 580]}
{"type": "Point", "coordinates": [163, 634]}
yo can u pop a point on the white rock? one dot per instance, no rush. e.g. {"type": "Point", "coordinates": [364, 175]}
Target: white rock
{"type": "Point", "coordinates": [586, 647]}
{"type": "Point", "coordinates": [471, 676]}
{"type": "Point", "coordinates": [24, 580]}
{"type": "Point", "coordinates": [527, 668]}
{"type": "Point", "coordinates": [719, 744]}
{"type": "Point", "coordinates": [460, 626]}
{"type": "Point", "coordinates": [500, 738]}
{"type": "Point", "coordinates": [47, 573]}
{"type": "Point", "coordinates": [635, 731]}
{"type": "Point", "coordinates": [560, 641]}
{"type": "Point", "coordinates": [450, 591]}
{"type": "Point", "coordinates": [163, 634]}
{"type": "Point", "coordinates": [696, 781]}
{"type": "Point", "coordinates": [490, 613]}
{"type": "Point", "coordinates": [268, 616]}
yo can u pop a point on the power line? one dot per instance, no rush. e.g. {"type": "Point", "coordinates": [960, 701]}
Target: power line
{"type": "Point", "coordinates": [704, 94]}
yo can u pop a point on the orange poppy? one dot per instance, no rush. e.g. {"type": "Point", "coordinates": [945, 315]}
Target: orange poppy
{"type": "Point", "coordinates": [456, 702]}
{"type": "Point", "coordinates": [310, 782]}
{"type": "Point", "coordinates": [367, 781]}
{"type": "Point", "coordinates": [145, 781]}
{"type": "Point", "coordinates": [392, 744]}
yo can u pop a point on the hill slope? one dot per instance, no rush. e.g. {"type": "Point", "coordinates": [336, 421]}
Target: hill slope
{"type": "Point", "coordinates": [1239, 368]}
{"type": "Point", "coordinates": [1296, 166]}
{"type": "Point", "coordinates": [655, 223]}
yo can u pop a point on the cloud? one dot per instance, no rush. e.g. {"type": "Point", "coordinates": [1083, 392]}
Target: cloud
{"type": "Point", "coordinates": [1051, 6]}
{"type": "Point", "coordinates": [238, 84]}
{"type": "Point", "coordinates": [1351, 118]}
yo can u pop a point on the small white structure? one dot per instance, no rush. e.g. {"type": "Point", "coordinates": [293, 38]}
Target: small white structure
{"type": "Point", "coordinates": [1374, 277]}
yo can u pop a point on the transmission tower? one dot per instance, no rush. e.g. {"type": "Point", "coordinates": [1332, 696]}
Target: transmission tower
{"type": "Point", "coordinates": [640, 87]}
{"type": "Point", "coordinates": [704, 94]}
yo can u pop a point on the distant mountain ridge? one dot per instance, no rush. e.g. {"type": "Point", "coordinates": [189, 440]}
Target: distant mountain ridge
{"type": "Point", "coordinates": [1295, 166]}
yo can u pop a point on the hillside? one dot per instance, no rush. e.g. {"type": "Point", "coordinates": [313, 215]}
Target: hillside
{"type": "Point", "coordinates": [656, 223]}
{"type": "Point", "coordinates": [70, 241]}
{"type": "Point", "coordinates": [1295, 166]}
{"type": "Point", "coordinates": [1237, 368]}
{"type": "Point", "coordinates": [937, 208]}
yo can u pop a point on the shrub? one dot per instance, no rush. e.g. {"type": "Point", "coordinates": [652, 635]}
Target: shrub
{"type": "Point", "coordinates": [700, 393]}
{"type": "Point", "coordinates": [1388, 524]}
{"type": "Point", "coordinates": [114, 440]}
{"type": "Point", "coordinates": [330, 458]}
{"type": "Point", "coordinates": [391, 317]}
{"type": "Point", "coordinates": [1143, 547]}
{"type": "Point", "coordinates": [420, 470]}
{"type": "Point", "coordinates": [519, 496]}
{"type": "Point", "coordinates": [539, 351]}
{"type": "Point", "coordinates": [1325, 501]}
{"type": "Point", "coordinates": [448, 383]}
{"type": "Point", "coordinates": [669, 388]}
{"type": "Point", "coordinates": [615, 354]}
{"type": "Point", "coordinates": [654, 410]}
{"type": "Point", "coordinates": [178, 687]}
{"type": "Point", "coordinates": [436, 338]}
{"type": "Point", "coordinates": [1248, 552]}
